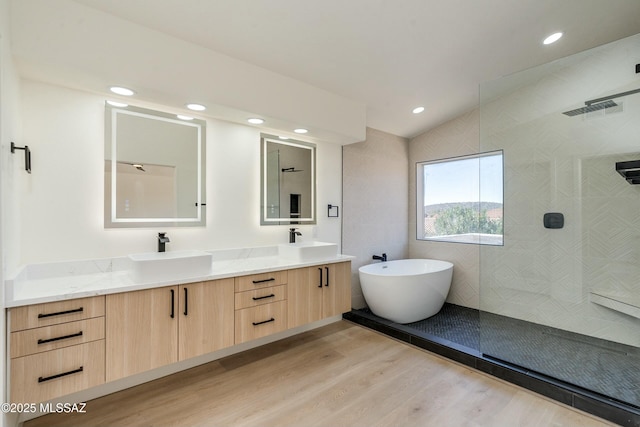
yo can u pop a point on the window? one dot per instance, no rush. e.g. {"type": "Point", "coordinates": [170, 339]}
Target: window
{"type": "Point", "coordinates": [460, 199]}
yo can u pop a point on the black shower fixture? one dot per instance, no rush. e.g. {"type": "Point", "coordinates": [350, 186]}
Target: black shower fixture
{"type": "Point", "coordinates": [590, 108]}
{"type": "Point", "coordinates": [629, 170]}
{"type": "Point", "coordinates": [599, 103]}
{"type": "Point", "coordinates": [291, 170]}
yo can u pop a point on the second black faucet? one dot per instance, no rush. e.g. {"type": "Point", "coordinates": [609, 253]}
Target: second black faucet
{"type": "Point", "coordinates": [162, 239]}
{"type": "Point", "coordinates": [292, 235]}
{"type": "Point", "coordinates": [382, 258]}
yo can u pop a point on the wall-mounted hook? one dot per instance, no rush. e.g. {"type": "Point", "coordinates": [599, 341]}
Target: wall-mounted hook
{"type": "Point", "coordinates": [27, 155]}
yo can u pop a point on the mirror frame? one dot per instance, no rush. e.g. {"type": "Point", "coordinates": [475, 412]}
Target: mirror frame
{"type": "Point", "coordinates": [110, 219]}
{"type": "Point", "coordinates": [264, 220]}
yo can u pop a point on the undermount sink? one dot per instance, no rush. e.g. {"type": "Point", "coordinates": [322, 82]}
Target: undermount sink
{"type": "Point", "coordinates": [307, 251]}
{"type": "Point", "coordinates": [163, 266]}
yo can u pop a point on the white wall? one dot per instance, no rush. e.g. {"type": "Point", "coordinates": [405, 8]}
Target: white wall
{"type": "Point", "coordinates": [61, 202]}
{"type": "Point", "coordinates": [375, 202]}
{"type": "Point", "coordinates": [11, 174]}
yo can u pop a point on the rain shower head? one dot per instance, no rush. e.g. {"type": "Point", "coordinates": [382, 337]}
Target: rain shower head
{"type": "Point", "coordinates": [291, 170]}
{"type": "Point", "coordinates": [600, 103]}
{"type": "Point", "coordinates": [591, 108]}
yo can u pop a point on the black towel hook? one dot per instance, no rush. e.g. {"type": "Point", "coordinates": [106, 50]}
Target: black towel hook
{"type": "Point", "coordinates": [27, 155]}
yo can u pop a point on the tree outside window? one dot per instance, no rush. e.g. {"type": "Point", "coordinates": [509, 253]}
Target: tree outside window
{"type": "Point", "coordinates": [461, 199]}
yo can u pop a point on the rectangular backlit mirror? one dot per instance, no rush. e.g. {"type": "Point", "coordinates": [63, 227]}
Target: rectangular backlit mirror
{"type": "Point", "coordinates": [288, 187]}
{"type": "Point", "coordinates": [154, 172]}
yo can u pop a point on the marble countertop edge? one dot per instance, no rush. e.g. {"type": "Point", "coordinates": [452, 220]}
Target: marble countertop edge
{"type": "Point", "coordinates": [20, 292]}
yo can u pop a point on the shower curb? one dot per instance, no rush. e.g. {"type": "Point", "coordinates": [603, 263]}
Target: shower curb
{"type": "Point", "coordinates": [568, 394]}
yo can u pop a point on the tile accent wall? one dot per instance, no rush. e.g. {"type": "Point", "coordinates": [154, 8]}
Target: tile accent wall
{"type": "Point", "coordinates": [375, 211]}
{"type": "Point", "coordinates": [556, 163]}
{"type": "Point", "coordinates": [457, 137]}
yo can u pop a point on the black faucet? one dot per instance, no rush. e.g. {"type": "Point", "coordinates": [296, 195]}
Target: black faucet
{"type": "Point", "coordinates": [382, 258]}
{"type": "Point", "coordinates": [292, 235]}
{"type": "Point", "coordinates": [162, 239]}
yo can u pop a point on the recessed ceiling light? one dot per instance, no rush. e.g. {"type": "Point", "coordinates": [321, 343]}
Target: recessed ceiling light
{"type": "Point", "coordinates": [196, 107]}
{"type": "Point", "coordinates": [552, 38]}
{"type": "Point", "coordinates": [418, 110]}
{"type": "Point", "coordinates": [255, 121]}
{"type": "Point", "coordinates": [283, 137]}
{"type": "Point", "coordinates": [121, 90]}
{"type": "Point", "coordinates": [181, 117]}
{"type": "Point", "coordinates": [117, 104]}
{"type": "Point", "coordinates": [300, 130]}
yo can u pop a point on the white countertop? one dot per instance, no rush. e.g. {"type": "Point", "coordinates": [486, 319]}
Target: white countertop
{"type": "Point", "coordinates": [40, 283]}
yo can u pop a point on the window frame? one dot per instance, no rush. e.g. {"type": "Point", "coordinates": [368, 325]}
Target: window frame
{"type": "Point", "coordinates": [420, 196]}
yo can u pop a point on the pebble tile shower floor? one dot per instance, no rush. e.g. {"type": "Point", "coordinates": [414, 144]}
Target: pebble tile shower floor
{"type": "Point", "coordinates": [602, 366]}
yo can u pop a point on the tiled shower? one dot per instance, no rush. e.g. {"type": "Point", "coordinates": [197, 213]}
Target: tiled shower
{"type": "Point", "coordinates": [583, 277]}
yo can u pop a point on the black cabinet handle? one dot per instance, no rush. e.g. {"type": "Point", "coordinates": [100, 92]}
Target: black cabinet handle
{"type": "Point", "coordinates": [186, 299]}
{"type": "Point", "coordinates": [79, 334]}
{"type": "Point", "coordinates": [264, 321]}
{"type": "Point", "coordinates": [327, 282]}
{"type": "Point", "coordinates": [266, 296]}
{"type": "Point", "coordinates": [271, 279]}
{"type": "Point", "coordinates": [320, 270]}
{"type": "Point", "coordinates": [60, 313]}
{"type": "Point", "coordinates": [173, 300]}
{"type": "Point", "coordinates": [64, 374]}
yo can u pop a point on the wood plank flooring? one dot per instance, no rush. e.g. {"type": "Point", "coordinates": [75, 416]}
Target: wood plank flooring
{"type": "Point", "coordinates": [338, 375]}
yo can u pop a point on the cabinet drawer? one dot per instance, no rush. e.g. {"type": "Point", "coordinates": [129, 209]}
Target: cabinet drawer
{"type": "Point", "coordinates": [260, 296]}
{"type": "Point", "coordinates": [55, 373]}
{"type": "Point", "coordinates": [264, 280]}
{"type": "Point", "coordinates": [260, 321]}
{"type": "Point", "coordinates": [52, 313]}
{"type": "Point", "coordinates": [48, 338]}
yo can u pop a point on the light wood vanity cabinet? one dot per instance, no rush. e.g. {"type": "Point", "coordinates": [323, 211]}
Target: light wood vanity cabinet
{"type": "Point", "coordinates": [206, 318]}
{"type": "Point", "coordinates": [261, 305]}
{"type": "Point", "coordinates": [56, 348]}
{"type": "Point", "coordinates": [336, 291]}
{"type": "Point", "coordinates": [155, 327]}
{"type": "Point", "coordinates": [318, 292]}
{"type": "Point", "coordinates": [141, 332]}
{"type": "Point", "coordinates": [63, 347]}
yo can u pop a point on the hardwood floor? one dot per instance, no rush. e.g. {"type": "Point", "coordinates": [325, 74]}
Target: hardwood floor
{"type": "Point", "coordinates": [338, 375]}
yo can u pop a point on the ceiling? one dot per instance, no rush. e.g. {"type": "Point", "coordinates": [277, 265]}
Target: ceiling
{"type": "Point", "coordinates": [389, 55]}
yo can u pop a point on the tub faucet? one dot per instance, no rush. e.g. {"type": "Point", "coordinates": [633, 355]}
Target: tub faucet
{"type": "Point", "coordinates": [292, 235]}
{"type": "Point", "coordinates": [162, 239]}
{"type": "Point", "coordinates": [382, 258]}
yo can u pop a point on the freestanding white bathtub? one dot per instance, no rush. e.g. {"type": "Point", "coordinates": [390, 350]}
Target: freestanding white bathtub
{"type": "Point", "coordinates": [406, 290]}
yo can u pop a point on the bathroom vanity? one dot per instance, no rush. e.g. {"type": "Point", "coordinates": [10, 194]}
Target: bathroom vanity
{"type": "Point", "coordinates": [104, 326]}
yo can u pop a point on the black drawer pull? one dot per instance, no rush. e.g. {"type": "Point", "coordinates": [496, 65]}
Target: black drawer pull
{"type": "Point", "coordinates": [60, 313]}
{"type": "Point", "coordinates": [64, 374]}
{"type": "Point", "coordinates": [327, 282]}
{"type": "Point", "coordinates": [255, 282]}
{"type": "Point", "coordinates": [186, 299]}
{"type": "Point", "coordinates": [173, 303]}
{"type": "Point", "coordinates": [264, 297]}
{"type": "Point", "coordinates": [79, 334]}
{"type": "Point", "coordinates": [264, 321]}
{"type": "Point", "coordinates": [320, 270]}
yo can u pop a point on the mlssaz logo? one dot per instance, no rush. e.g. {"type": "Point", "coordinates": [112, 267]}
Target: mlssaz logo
{"type": "Point", "coordinates": [65, 408]}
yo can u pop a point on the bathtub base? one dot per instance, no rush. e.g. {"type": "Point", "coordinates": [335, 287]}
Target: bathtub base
{"type": "Point", "coordinates": [410, 316]}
